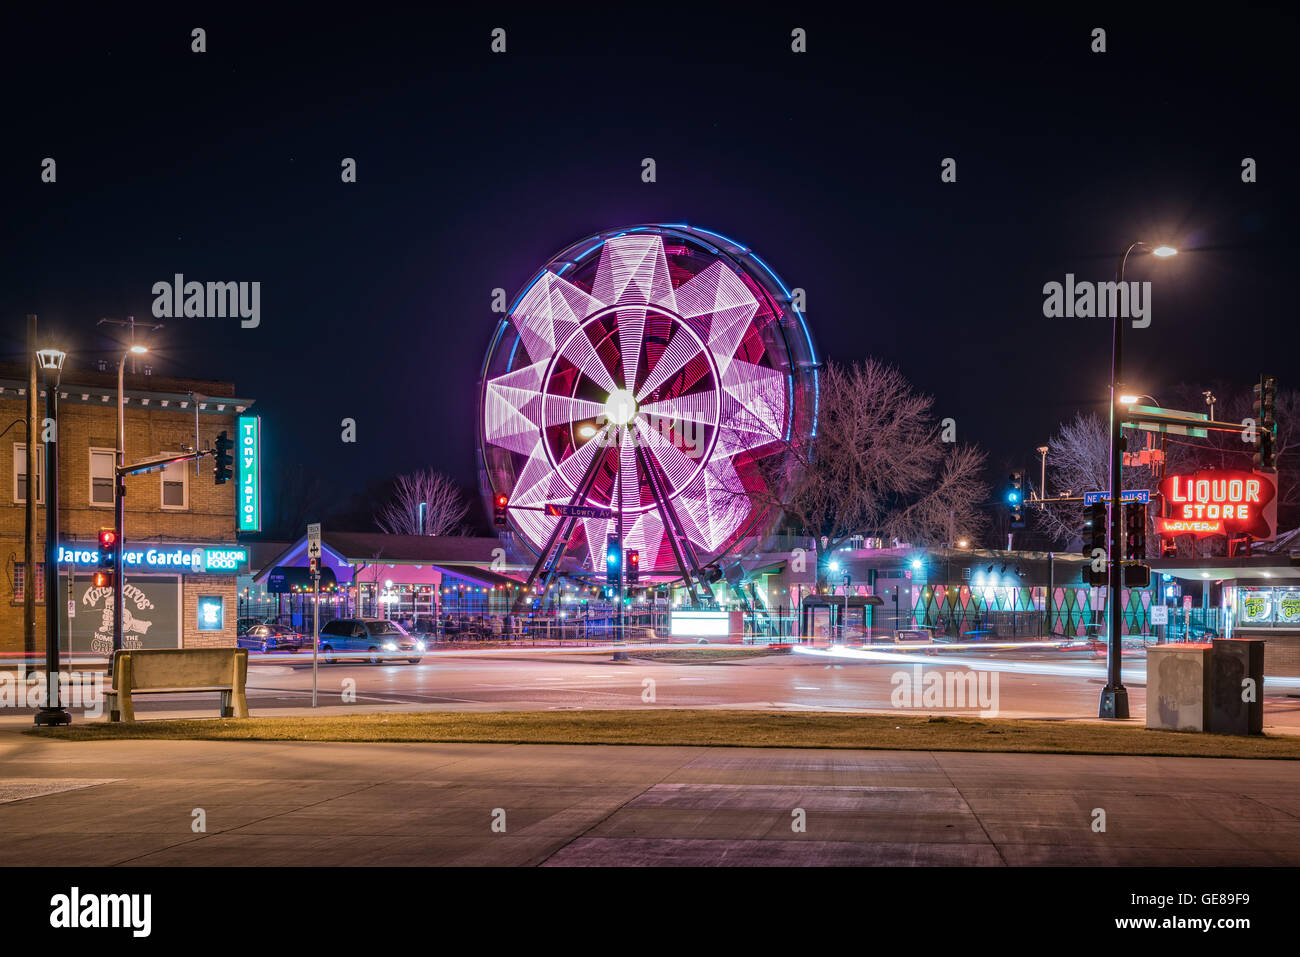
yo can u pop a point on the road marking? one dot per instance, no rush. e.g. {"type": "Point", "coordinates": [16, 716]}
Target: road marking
{"type": "Point", "coordinates": [550, 679]}
{"type": "Point", "coordinates": [806, 688]}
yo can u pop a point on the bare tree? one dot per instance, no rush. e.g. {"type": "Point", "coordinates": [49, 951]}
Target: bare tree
{"type": "Point", "coordinates": [444, 510]}
{"type": "Point", "coordinates": [1078, 462]}
{"type": "Point", "coordinates": [296, 498]}
{"type": "Point", "coordinates": [877, 467]}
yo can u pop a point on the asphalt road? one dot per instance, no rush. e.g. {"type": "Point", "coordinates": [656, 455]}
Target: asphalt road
{"type": "Point", "coordinates": [1028, 684]}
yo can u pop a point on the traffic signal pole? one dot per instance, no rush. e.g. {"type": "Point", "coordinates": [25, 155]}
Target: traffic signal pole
{"type": "Point", "coordinates": [1114, 697]}
{"type": "Point", "coordinates": [119, 484]}
{"type": "Point", "coordinates": [119, 515]}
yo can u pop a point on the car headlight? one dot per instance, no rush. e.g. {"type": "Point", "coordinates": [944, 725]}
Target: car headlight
{"type": "Point", "coordinates": [390, 646]}
{"type": "Point", "coordinates": [421, 645]}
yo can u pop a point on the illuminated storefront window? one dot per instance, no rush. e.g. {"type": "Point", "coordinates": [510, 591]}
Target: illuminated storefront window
{"type": "Point", "coordinates": [1266, 606]}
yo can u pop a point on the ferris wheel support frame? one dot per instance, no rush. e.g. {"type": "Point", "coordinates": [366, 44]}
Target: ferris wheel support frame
{"type": "Point", "coordinates": [678, 541]}
{"type": "Point", "coordinates": [547, 566]}
{"type": "Point", "coordinates": [548, 561]}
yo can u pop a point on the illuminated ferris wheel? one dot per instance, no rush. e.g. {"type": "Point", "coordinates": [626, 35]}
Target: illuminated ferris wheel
{"type": "Point", "coordinates": [632, 390]}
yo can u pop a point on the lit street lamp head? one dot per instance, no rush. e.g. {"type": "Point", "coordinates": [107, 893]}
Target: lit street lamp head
{"type": "Point", "coordinates": [139, 350]}
{"type": "Point", "coordinates": [1164, 252]}
{"type": "Point", "coordinates": [50, 360]}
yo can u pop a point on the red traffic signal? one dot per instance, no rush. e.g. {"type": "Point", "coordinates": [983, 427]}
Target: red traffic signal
{"type": "Point", "coordinates": [107, 551]}
{"type": "Point", "coordinates": [499, 511]}
{"type": "Point", "coordinates": [633, 565]}
{"type": "Point", "coordinates": [103, 579]}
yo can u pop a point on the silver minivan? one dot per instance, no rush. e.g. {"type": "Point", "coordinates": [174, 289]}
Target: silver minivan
{"type": "Point", "coordinates": [383, 639]}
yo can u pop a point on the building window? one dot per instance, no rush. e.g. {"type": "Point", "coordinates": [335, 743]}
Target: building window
{"type": "Point", "coordinates": [19, 570]}
{"type": "Point", "coordinates": [101, 476]}
{"type": "Point", "coordinates": [175, 486]}
{"type": "Point", "coordinates": [20, 473]}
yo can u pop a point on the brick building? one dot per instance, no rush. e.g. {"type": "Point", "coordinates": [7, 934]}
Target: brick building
{"type": "Point", "coordinates": [181, 553]}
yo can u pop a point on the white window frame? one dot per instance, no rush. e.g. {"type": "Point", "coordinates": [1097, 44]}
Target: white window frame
{"type": "Point", "coordinates": [185, 488]}
{"type": "Point", "coordinates": [112, 477]}
{"type": "Point", "coordinates": [40, 473]}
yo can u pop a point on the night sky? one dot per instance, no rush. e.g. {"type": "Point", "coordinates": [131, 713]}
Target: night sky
{"type": "Point", "coordinates": [474, 168]}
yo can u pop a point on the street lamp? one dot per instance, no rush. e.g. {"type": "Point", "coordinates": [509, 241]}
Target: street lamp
{"type": "Point", "coordinates": [1114, 697]}
{"type": "Point", "coordinates": [51, 364]}
{"type": "Point", "coordinates": [1134, 399]}
{"type": "Point", "coordinates": [119, 503]}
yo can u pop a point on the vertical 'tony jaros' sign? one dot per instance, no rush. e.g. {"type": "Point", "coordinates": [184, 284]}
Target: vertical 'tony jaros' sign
{"type": "Point", "coordinates": [249, 452]}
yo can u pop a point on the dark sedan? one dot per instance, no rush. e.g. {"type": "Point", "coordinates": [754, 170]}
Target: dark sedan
{"type": "Point", "coordinates": [271, 638]}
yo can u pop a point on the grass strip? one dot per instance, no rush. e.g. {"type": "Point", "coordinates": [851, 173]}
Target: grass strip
{"type": "Point", "coordinates": [700, 728]}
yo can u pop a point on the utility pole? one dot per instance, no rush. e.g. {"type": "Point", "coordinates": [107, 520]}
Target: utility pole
{"type": "Point", "coordinates": [29, 510]}
{"type": "Point", "coordinates": [129, 322]}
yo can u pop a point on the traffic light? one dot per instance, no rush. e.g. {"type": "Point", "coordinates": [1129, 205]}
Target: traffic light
{"type": "Point", "coordinates": [613, 559]}
{"type": "Point", "coordinates": [1094, 538]}
{"type": "Point", "coordinates": [633, 566]}
{"type": "Point", "coordinates": [1137, 576]}
{"type": "Point", "coordinates": [1135, 528]}
{"type": "Point", "coordinates": [499, 510]}
{"type": "Point", "coordinates": [221, 468]}
{"type": "Point", "coordinates": [1016, 500]}
{"type": "Point", "coordinates": [1266, 457]}
{"type": "Point", "coordinates": [1265, 411]}
{"type": "Point", "coordinates": [107, 558]}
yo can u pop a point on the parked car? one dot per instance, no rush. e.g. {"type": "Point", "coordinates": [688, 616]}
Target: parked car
{"type": "Point", "coordinates": [384, 639]}
{"type": "Point", "coordinates": [270, 638]}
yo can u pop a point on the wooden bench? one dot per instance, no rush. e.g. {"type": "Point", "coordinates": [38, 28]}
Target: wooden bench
{"type": "Point", "coordinates": [179, 670]}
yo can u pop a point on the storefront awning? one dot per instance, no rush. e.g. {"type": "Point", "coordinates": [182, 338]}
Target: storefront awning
{"type": "Point", "coordinates": [1261, 568]}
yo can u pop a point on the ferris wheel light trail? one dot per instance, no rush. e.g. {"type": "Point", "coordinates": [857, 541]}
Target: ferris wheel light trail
{"type": "Point", "coordinates": [634, 356]}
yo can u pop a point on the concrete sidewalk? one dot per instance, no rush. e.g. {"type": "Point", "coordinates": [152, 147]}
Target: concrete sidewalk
{"type": "Point", "coordinates": [325, 804]}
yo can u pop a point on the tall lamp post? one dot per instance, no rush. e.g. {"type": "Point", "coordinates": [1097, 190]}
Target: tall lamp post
{"type": "Point", "coordinates": [50, 361]}
{"type": "Point", "coordinates": [119, 503]}
{"type": "Point", "coordinates": [1114, 697]}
